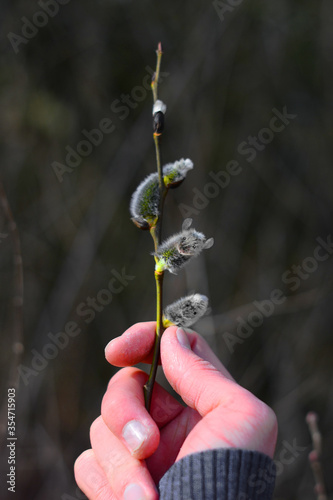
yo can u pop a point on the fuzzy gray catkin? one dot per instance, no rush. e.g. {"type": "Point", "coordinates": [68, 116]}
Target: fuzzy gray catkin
{"type": "Point", "coordinates": [187, 310]}
{"type": "Point", "coordinates": [175, 173]}
{"type": "Point", "coordinates": [145, 200]}
{"type": "Point", "coordinates": [177, 250]}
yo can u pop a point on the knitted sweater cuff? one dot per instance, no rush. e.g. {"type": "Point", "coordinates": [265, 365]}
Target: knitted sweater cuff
{"type": "Point", "coordinates": [221, 474]}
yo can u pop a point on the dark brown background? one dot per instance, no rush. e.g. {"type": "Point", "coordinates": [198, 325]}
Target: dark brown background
{"type": "Point", "coordinates": [225, 76]}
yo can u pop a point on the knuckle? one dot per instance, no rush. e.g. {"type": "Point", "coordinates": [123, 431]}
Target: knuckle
{"type": "Point", "coordinates": [85, 466]}
{"type": "Point", "coordinates": [270, 418]}
{"type": "Point", "coordinates": [126, 372]}
{"type": "Point", "coordinates": [263, 414]}
{"type": "Point", "coordinates": [111, 403]}
{"type": "Point", "coordinates": [118, 394]}
{"type": "Point", "coordinates": [95, 426]}
{"type": "Point", "coordinates": [106, 405]}
{"type": "Point", "coordinates": [101, 493]}
{"type": "Point", "coordinates": [82, 460]}
{"type": "Point", "coordinates": [240, 399]}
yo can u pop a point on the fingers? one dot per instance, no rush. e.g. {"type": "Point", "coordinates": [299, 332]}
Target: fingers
{"type": "Point", "coordinates": [133, 346]}
{"type": "Point", "coordinates": [136, 346]}
{"type": "Point", "coordinates": [127, 476]}
{"type": "Point", "coordinates": [233, 417]}
{"type": "Point", "coordinates": [122, 437]}
{"type": "Point", "coordinates": [90, 477]}
{"type": "Point", "coordinates": [124, 412]}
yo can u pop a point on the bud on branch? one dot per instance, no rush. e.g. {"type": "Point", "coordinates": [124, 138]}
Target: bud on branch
{"type": "Point", "coordinates": [145, 201]}
{"type": "Point", "coordinates": [186, 311]}
{"type": "Point", "coordinates": [146, 209]}
{"type": "Point", "coordinates": [177, 250]}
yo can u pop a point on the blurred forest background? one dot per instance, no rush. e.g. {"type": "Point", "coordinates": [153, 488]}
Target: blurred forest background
{"type": "Point", "coordinates": [225, 72]}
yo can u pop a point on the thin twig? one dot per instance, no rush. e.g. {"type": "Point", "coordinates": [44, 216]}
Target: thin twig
{"type": "Point", "coordinates": [156, 233]}
{"type": "Point", "coordinates": [16, 340]}
{"type": "Point", "coordinates": [160, 183]}
{"type": "Point", "coordinates": [154, 83]}
{"type": "Point", "coordinates": [315, 455]}
{"type": "Point", "coordinates": [156, 137]}
{"type": "Point", "coordinates": [16, 331]}
{"type": "Point", "coordinates": [158, 334]}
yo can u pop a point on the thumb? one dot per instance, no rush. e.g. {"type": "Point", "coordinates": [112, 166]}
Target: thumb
{"type": "Point", "coordinates": [196, 378]}
{"type": "Point", "coordinates": [232, 416]}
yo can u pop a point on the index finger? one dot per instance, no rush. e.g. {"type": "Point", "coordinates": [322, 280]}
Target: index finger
{"type": "Point", "coordinates": [134, 346]}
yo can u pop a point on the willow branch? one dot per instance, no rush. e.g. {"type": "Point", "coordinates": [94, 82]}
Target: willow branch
{"type": "Point", "coordinates": [315, 454]}
{"type": "Point", "coordinates": [16, 339]}
{"type": "Point", "coordinates": [160, 177]}
{"type": "Point", "coordinates": [154, 83]}
{"type": "Point", "coordinates": [148, 388]}
{"type": "Point", "coordinates": [156, 136]}
{"type": "Point", "coordinates": [156, 233]}
{"type": "Point", "coordinates": [16, 332]}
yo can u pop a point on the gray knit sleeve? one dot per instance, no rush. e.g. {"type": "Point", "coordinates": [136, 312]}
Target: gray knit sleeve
{"type": "Point", "coordinates": [222, 474]}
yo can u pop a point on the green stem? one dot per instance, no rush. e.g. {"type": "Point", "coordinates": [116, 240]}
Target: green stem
{"type": "Point", "coordinates": [158, 162]}
{"type": "Point", "coordinates": [154, 83]}
{"type": "Point", "coordinates": [165, 192]}
{"type": "Point", "coordinates": [153, 233]}
{"type": "Point", "coordinates": [156, 137]}
{"type": "Point", "coordinates": [157, 236]}
{"type": "Point", "coordinates": [161, 186]}
{"type": "Point", "coordinates": [148, 388]}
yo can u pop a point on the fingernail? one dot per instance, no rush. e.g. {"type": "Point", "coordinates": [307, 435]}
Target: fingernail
{"type": "Point", "coordinates": [135, 434]}
{"type": "Point", "coordinates": [134, 492]}
{"type": "Point", "coordinates": [182, 338]}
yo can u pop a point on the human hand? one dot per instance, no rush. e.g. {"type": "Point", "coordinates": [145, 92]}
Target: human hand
{"type": "Point", "coordinates": [132, 449]}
